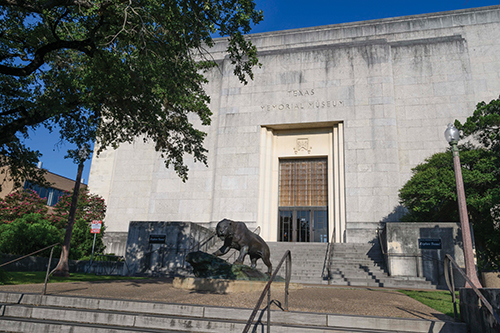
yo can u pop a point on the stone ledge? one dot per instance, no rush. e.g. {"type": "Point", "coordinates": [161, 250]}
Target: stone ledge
{"type": "Point", "coordinates": [220, 286]}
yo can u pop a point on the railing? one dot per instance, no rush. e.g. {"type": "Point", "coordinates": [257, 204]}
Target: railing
{"type": "Point", "coordinates": [51, 247]}
{"type": "Point", "coordinates": [267, 289]}
{"type": "Point", "coordinates": [448, 268]}
{"type": "Point", "coordinates": [198, 246]}
{"type": "Point", "coordinates": [328, 265]}
{"type": "Point", "coordinates": [382, 240]}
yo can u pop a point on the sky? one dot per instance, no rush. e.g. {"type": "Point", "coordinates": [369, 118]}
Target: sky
{"type": "Point", "coordinates": [278, 15]}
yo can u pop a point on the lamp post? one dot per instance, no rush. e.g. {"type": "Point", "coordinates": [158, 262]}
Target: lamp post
{"type": "Point", "coordinates": [62, 268]}
{"type": "Point", "coordinates": [452, 135]}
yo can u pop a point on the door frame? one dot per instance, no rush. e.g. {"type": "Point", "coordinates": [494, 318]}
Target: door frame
{"type": "Point", "coordinates": [279, 141]}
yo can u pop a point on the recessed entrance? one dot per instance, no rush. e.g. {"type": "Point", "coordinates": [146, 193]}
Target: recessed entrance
{"type": "Point", "coordinates": [303, 197]}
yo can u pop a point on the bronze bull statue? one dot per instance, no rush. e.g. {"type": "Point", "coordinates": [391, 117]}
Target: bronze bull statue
{"type": "Point", "coordinates": [237, 236]}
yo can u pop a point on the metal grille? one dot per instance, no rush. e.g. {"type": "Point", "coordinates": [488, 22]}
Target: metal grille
{"type": "Point", "coordinates": [303, 182]}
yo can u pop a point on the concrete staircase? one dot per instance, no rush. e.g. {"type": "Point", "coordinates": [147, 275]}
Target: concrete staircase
{"type": "Point", "coordinates": [363, 265]}
{"type": "Point", "coordinates": [58, 314]}
{"type": "Point", "coordinates": [352, 264]}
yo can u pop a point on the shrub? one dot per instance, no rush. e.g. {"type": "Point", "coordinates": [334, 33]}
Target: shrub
{"type": "Point", "coordinates": [28, 234]}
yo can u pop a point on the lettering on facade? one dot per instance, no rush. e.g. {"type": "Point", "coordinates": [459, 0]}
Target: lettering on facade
{"type": "Point", "coordinates": [302, 144]}
{"type": "Point", "coordinates": [296, 101]}
{"type": "Point", "coordinates": [302, 105]}
{"type": "Point", "coordinates": [299, 93]}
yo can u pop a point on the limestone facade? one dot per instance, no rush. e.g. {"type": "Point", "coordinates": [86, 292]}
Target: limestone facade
{"type": "Point", "coordinates": [372, 98]}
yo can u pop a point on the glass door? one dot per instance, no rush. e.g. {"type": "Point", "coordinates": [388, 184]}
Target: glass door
{"type": "Point", "coordinates": [303, 197]}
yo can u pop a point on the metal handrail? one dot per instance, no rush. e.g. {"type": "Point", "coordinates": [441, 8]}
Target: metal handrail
{"type": "Point", "coordinates": [267, 288]}
{"type": "Point", "coordinates": [379, 235]}
{"type": "Point", "coordinates": [448, 261]}
{"type": "Point", "coordinates": [51, 247]}
{"type": "Point", "coordinates": [328, 265]}
{"type": "Point", "coordinates": [200, 244]}
{"type": "Point", "coordinates": [383, 247]}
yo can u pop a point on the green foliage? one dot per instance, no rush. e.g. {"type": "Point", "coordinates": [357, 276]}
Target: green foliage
{"type": "Point", "coordinates": [4, 277]}
{"type": "Point", "coordinates": [82, 239]}
{"type": "Point", "coordinates": [17, 204]}
{"type": "Point", "coordinates": [430, 195]}
{"type": "Point", "coordinates": [484, 125]}
{"type": "Point", "coordinates": [28, 234]}
{"type": "Point", "coordinates": [117, 70]}
{"type": "Point", "coordinates": [42, 229]}
{"type": "Point", "coordinates": [90, 207]}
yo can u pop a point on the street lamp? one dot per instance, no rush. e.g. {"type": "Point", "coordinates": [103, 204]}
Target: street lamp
{"type": "Point", "coordinates": [62, 268]}
{"type": "Point", "coordinates": [452, 135]}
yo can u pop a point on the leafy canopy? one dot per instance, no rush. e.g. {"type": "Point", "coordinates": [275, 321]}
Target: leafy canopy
{"type": "Point", "coordinates": [26, 225]}
{"type": "Point", "coordinates": [89, 207]}
{"type": "Point", "coordinates": [115, 70]}
{"type": "Point", "coordinates": [430, 195]}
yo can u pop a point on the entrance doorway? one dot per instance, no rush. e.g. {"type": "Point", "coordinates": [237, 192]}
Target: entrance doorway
{"type": "Point", "coordinates": [309, 224]}
{"type": "Point", "coordinates": [303, 197]}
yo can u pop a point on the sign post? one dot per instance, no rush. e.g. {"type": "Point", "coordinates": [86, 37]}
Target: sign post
{"type": "Point", "coordinates": [95, 228]}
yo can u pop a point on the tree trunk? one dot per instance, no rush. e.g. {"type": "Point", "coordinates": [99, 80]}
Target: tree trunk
{"type": "Point", "coordinates": [62, 268]}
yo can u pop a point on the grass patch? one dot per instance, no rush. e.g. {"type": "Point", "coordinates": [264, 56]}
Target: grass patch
{"type": "Point", "coordinates": [11, 278]}
{"type": "Point", "coordinates": [438, 300]}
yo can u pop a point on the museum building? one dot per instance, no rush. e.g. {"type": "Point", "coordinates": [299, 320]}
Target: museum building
{"type": "Point", "coordinates": [317, 146]}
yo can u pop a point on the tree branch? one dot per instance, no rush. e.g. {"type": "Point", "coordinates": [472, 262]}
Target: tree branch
{"type": "Point", "coordinates": [86, 46]}
{"type": "Point", "coordinates": [37, 7]}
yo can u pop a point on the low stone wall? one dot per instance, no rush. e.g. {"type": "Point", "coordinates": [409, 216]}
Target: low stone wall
{"type": "Point", "coordinates": [479, 319]}
{"type": "Point", "coordinates": [406, 258]}
{"type": "Point", "coordinates": [37, 264]}
{"type": "Point", "coordinates": [159, 248]}
{"type": "Point", "coordinates": [28, 264]}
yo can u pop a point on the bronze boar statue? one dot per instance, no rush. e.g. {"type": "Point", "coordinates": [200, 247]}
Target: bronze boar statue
{"type": "Point", "coordinates": [237, 236]}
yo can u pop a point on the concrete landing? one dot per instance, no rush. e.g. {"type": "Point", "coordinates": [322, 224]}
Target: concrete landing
{"type": "Point", "coordinates": [381, 302]}
{"type": "Point", "coordinates": [220, 286]}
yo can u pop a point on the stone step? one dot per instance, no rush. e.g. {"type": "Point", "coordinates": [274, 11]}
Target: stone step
{"type": "Point", "coordinates": [353, 263]}
{"type": "Point", "coordinates": [58, 314]}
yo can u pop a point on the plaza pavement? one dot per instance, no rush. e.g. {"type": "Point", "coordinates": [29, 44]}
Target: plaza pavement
{"type": "Point", "coordinates": [381, 302]}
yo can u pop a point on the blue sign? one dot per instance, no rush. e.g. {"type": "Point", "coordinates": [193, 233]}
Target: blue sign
{"type": "Point", "coordinates": [430, 243]}
{"type": "Point", "coordinates": [157, 239]}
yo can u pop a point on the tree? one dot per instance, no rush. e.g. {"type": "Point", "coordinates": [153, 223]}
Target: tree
{"type": "Point", "coordinates": [90, 207]}
{"type": "Point", "coordinates": [17, 204]}
{"type": "Point", "coordinates": [483, 126]}
{"type": "Point", "coordinates": [114, 70]}
{"type": "Point", "coordinates": [430, 195]}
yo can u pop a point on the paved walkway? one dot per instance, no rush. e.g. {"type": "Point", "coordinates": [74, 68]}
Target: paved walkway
{"type": "Point", "coordinates": [312, 298]}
